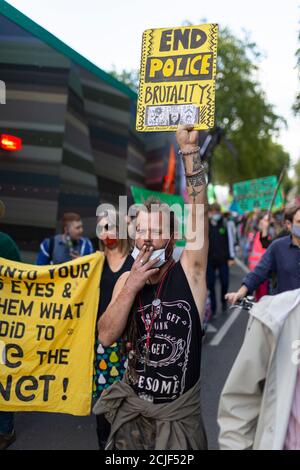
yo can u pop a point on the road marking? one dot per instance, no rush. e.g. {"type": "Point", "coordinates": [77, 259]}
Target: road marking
{"type": "Point", "coordinates": [224, 329]}
{"type": "Point", "coordinates": [211, 329]}
{"type": "Point", "coordinates": [222, 332]}
{"type": "Point", "coordinates": [242, 265]}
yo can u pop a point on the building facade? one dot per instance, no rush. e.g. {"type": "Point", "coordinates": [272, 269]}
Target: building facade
{"type": "Point", "coordinates": [77, 125]}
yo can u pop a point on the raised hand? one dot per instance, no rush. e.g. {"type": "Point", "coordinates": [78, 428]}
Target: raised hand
{"type": "Point", "coordinates": [142, 269]}
{"type": "Point", "coordinates": [186, 137]}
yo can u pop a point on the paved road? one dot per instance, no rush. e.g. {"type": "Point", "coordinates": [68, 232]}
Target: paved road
{"type": "Point", "coordinates": [57, 431]}
{"type": "Point", "coordinates": [217, 359]}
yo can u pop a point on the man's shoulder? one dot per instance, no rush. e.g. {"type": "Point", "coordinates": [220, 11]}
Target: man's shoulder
{"type": "Point", "coordinates": [86, 244]}
{"type": "Point", "coordinates": [85, 240]}
{"type": "Point", "coordinates": [177, 265]}
{"type": "Point", "coordinates": [281, 242]}
{"type": "Point", "coordinates": [179, 270]}
{"type": "Point", "coordinates": [52, 238]}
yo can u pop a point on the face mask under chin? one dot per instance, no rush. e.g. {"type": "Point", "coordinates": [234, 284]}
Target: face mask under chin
{"type": "Point", "coordinates": [161, 254]}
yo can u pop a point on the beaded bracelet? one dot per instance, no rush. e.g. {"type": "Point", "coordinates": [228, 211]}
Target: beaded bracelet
{"type": "Point", "coordinates": [190, 152]}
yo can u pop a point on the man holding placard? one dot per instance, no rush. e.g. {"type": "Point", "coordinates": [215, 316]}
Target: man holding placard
{"type": "Point", "coordinates": [159, 308]}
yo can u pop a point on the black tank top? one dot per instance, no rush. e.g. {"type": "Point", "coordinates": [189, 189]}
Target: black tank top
{"type": "Point", "coordinates": [108, 282]}
{"type": "Point", "coordinates": [173, 366]}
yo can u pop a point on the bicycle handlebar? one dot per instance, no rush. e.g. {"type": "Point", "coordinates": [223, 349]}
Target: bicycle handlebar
{"type": "Point", "coordinates": [246, 303]}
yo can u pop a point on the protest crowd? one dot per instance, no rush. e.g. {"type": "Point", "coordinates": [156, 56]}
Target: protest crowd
{"type": "Point", "coordinates": [116, 326]}
{"type": "Point", "coordinates": [141, 402]}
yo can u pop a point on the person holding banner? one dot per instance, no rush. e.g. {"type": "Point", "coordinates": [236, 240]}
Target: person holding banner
{"type": "Point", "coordinates": [110, 362]}
{"type": "Point", "coordinates": [282, 258]}
{"type": "Point", "coordinates": [159, 307]}
{"type": "Point", "coordinates": [8, 250]}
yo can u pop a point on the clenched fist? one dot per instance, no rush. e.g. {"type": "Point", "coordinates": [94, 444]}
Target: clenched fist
{"type": "Point", "coordinates": [187, 138]}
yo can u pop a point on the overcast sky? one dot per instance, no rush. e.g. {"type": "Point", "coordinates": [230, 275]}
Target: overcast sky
{"type": "Point", "coordinates": [109, 33]}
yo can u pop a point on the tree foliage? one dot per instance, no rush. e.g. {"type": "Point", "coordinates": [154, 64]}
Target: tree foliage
{"type": "Point", "coordinates": [242, 110]}
{"type": "Point", "coordinates": [297, 174]}
{"type": "Point", "coordinates": [296, 107]}
{"type": "Point", "coordinates": [128, 77]}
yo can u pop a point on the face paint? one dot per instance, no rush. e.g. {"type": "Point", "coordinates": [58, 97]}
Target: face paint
{"type": "Point", "coordinates": [110, 243]}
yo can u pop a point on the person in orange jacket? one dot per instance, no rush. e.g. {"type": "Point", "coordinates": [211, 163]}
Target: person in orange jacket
{"type": "Point", "coordinates": [261, 241]}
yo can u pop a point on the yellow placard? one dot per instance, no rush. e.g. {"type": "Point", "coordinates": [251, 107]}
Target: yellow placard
{"type": "Point", "coordinates": [47, 335]}
{"type": "Point", "coordinates": [177, 78]}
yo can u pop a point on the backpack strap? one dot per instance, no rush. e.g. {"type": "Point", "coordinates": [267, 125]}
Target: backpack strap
{"type": "Point", "coordinates": [51, 247]}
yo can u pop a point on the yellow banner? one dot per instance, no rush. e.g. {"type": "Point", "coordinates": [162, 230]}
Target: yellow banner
{"type": "Point", "coordinates": [177, 78]}
{"type": "Point", "coordinates": [47, 335]}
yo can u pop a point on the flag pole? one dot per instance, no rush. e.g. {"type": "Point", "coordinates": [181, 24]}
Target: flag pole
{"type": "Point", "coordinates": [276, 191]}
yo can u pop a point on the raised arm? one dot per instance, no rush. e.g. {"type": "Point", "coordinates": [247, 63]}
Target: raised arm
{"type": "Point", "coordinates": [194, 257]}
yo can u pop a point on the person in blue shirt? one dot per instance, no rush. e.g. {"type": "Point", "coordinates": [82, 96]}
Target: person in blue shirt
{"type": "Point", "coordinates": [68, 245]}
{"type": "Point", "coordinates": [282, 258]}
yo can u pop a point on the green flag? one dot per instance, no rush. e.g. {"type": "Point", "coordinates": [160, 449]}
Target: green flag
{"type": "Point", "coordinates": [140, 195]}
{"type": "Point", "coordinates": [257, 193]}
